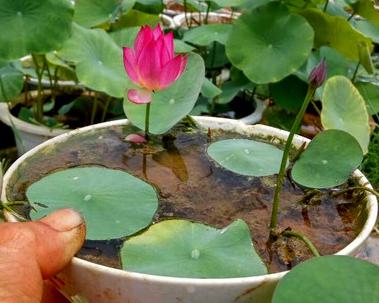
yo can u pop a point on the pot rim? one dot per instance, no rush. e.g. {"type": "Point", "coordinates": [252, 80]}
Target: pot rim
{"type": "Point", "coordinates": [205, 122]}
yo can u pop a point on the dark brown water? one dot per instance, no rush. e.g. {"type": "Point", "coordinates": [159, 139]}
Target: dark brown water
{"type": "Point", "coordinates": [191, 186]}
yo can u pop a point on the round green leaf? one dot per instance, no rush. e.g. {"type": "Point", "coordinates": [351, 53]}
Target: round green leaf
{"type": "Point", "coordinates": [370, 93]}
{"type": "Point", "coordinates": [125, 37]}
{"type": "Point", "coordinates": [30, 26]}
{"type": "Point", "coordinates": [246, 157]}
{"type": "Point", "coordinates": [207, 34]}
{"type": "Point", "coordinates": [11, 82]}
{"type": "Point", "coordinates": [114, 203]}
{"type": "Point", "coordinates": [271, 54]}
{"type": "Point", "coordinates": [99, 60]}
{"type": "Point", "coordinates": [328, 161]}
{"type": "Point", "coordinates": [90, 13]}
{"type": "Point", "coordinates": [344, 108]}
{"type": "Point", "coordinates": [229, 3]}
{"type": "Point", "coordinates": [180, 248]}
{"type": "Point", "coordinates": [330, 279]}
{"type": "Point", "coordinates": [169, 106]}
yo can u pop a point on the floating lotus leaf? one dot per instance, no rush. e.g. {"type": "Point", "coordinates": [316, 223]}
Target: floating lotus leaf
{"type": "Point", "coordinates": [328, 161]}
{"type": "Point", "coordinates": [114, 203]}
{"type": "Point", "coordinates": [180, 248]}
{"type": "Point", "coordinates": [246, 157]}
{"type": "Point", "coordinates": [207, 34]}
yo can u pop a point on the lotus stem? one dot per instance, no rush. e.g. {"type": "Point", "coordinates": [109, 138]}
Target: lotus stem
{"type": "Point", "coordinates": [105, 109]}
{"type": "Point", "coordinates": [308, 242]}
{"type": "Point", "coordinates": [326, 5]}
{"type": "Point", "coordinates": [355, 72]}
{"type": "Point", "coordinates": [94, 109]}
{"type": "Point", "coordinates": [287, 147]}
{"type": "Point", "coordinates": [147, 121]}
{"type": "Point", "coordinates": [38, 115]}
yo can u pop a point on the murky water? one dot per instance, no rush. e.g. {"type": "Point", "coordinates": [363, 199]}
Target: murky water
{"type": "Point", "coordinates": [191, 186]}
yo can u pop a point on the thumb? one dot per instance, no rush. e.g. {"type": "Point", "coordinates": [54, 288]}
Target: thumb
{"type": "Point", "coordinates": [33, 251]}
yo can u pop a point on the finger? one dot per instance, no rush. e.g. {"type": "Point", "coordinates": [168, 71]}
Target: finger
{"type": "Point", "coordinates": [35, 250]}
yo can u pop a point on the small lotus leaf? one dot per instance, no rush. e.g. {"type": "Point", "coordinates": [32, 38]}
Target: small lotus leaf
{"type": "Point", "coordinates": [328, 161]}
{"type": "Point", "coordinates": [330, 279]}
{"type": "Point", "coordinates": [344, 108]}
{"type": "Point", "coordinates": [180, 248]}
{"type": "Point", "coordinates": [11, 82]}
{"type": "Point", "coordinates": [113, 203]}
{"type": "Point", "coordinates": [246, 157]}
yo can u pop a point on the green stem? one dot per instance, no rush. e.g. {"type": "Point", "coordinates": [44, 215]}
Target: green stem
{"type": "Point", "coordinates": [287, 147]}
{"type": "Point", "coordinates": [326, 5]}
{"type": "Point", "coordinates": [316, 108]}
{"type": "Point", "coordinates": [185, 13]}
{"type": "Point", "coordinates": [94, 110]}
{"type": "Point", "coordinates": [38, 115]}
{"type": "Point", "coordinates": [303, 238]}
{"type": "Point", "coordinates": [351, 16]}
{"type": "Point", "coordinates": [372, 191]}
{"type": "Point", "coordinates": [207, 13]}
{"type": "Point", "coordinates": [147, 121]}
{"type": "Point", "coordinates": [355, 72]}
{"type": "Point", "coordinates": [106, 106]}
{"type": "Point", "coordinates": [3, 90]}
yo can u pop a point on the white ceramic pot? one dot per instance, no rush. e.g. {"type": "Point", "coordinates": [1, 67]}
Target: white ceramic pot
{"type": "Point", "coordinates": [199, 18]}
{"type": "Point", "coordinates": [99, 284]}
{"type": "Point", "coordinates": [27, 135]}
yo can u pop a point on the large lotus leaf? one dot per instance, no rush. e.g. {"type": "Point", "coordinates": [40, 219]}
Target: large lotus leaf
{"type": "Point", "coordinates": [344, 108]}
{"type": "Point", "coordinates": [328, 161]}
{"type": "Point", "coordinates": [11, 82]}
{"type": "Point", "coordinates": [90, 13]}
{"type": "Point", "coordinates": [99, 63]}
{"type": "Point", "coordinates": [135, 18]}
{"type": "Point", "coordinates": [125, 37]}
{"type": "Point", "coordinates": [271, 54]}
{"type": "Point", "coordinates": [330, 279]}
{"type": "Point", "coordinates": [207, 34]}
{"type": "Point", "coordinates": [114, 203]}
{"type": "Point", "coordinates": [180, 248]}
{"type": "Point", "coordinates": [170, 105]}
{"type": "Point", "coordinates": [246, 157]}
{"type": "Point", "coordinates": [336, 32]}
{"type": "Point", "coordinates": [30, 26]}
{"type": "Point", "coordinates": [370, 93]}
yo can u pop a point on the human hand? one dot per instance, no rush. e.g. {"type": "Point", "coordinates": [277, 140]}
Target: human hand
{"type": "Point", "coordinates": [32, 252]}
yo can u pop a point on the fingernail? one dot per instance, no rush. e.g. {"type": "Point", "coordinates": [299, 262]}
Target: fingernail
{"type": "Point", "coordinates": [63, 220]}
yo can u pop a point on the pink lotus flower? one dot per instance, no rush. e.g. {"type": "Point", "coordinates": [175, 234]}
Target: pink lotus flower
{"type": "Point", "coordinates": [152, 64]}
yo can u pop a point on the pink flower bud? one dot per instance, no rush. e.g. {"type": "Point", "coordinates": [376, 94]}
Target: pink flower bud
{"type": "Point", "coordinates": [135, 138]}
{"type": "Point", "coordinates": [151, 63]}
{"type": "Point", "coordinates": [318, 74]}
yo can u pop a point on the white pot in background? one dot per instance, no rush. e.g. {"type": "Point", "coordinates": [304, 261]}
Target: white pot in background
{"type": "Point", "coordinates": [101, 284]}
{"type": "Point", "coordinates": [27, 135]}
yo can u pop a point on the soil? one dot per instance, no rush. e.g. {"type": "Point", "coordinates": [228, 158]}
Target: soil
{"type": "Point", "coordinates": [192, 186]}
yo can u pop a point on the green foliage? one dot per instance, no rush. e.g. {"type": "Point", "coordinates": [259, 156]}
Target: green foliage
{"type": "Point", "coordinates": [170, 105]}
{"type": "Point", "coordinates": [370, 165]}
{"type": "Point", "coordinates": [271, 54]}
{"type": "Point", "coordinates": [11, 82]}
{"type": "Point", "coordinates": [246, 157]}
{"type": "Point", "coordinates": [30, 26]}
{"type": "Point", "coordinates": [90, 13]}
{"type": "Point", "coordinates": [336, 32]}
{"type": "Point", "coordinates": [207, 34]}
{"type": "Point", "coordinates": [114, 203]}
{"type": "Point", "coordinates": [179, 248]}
{"type": "Point", "coordinates": [328, 161]}
{"type": "Point", "coordinates": [330, 279]}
